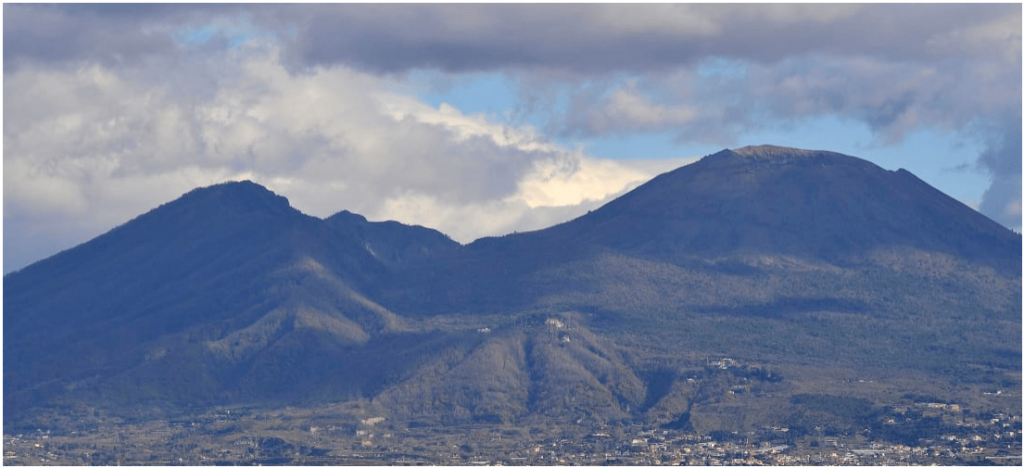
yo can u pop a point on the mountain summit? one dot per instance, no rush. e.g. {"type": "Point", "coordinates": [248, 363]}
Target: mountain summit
{"type": "Point", "coordinates": [782, 153]}
{"type": "Point", "coordinates": [816, 265]}
{"type": "Point", "coordinates": [774, 200]}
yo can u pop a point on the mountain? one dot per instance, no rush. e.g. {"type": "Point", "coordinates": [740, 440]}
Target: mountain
{"type": "Point", "coordinates": [804, 267]}
{"type": "Point", "coordinates": [734, 212]}
{"type": "Point", "coordinates": [190, 301]}
{"type": "Point", "coordinates": [768, 200]}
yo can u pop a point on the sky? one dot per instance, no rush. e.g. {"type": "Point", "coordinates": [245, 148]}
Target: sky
{"type": "Point", "coordinates": [482, 120]}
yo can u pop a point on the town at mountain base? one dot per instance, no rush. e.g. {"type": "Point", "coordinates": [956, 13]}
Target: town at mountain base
{"type": "Point", "coordinates": [753, 291]}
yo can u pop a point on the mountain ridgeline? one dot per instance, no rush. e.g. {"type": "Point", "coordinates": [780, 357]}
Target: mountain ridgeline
{"type": "Point", "coordinates": [813, 264]}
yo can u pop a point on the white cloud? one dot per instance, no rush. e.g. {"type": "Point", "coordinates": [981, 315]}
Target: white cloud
{"type": "Point", "coordinates": [554, 192]}
{"type": "Point", "coordinates": [464, 127]}
{"type": "Point", "coordinates": [574, 180]}
{"type": "Point", "coordinates": [89, 148]}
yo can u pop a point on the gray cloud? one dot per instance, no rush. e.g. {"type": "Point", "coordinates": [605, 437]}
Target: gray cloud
{"type": "Point", "coordinates": [590, 39]}
{"type": "Point", "coordinates": [609, 38]}
{"type": "Point", "coordinates": [52, 34]}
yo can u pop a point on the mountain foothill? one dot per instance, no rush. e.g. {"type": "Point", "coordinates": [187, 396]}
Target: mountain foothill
{"type": "Point", "coordinates": [812, 267]}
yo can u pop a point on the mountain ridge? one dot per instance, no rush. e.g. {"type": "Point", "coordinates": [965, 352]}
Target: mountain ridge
{"type": "Point", "coordinates": [228, 294]}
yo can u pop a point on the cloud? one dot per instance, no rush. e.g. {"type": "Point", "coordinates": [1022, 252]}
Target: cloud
{"type": "Point", "coordinates": [57, 34]}
{"type": "Point", "coordinates": [662, 19]}
{"type": "Point", "coordinates": [555, 191]}
{"type": "Point", "coordinates": [89, 148]}
{"type": "Point", "coordinates": [605, 39]}
{"type": "Point", "coordinates": [581, 39]}
{"type": "Point", "coordinates": [999, 35]}
{"type": "Point", "coordinates": [574, 180]}
{"type": "Point", "coordinates": [112, 109]}
{"type": "Point", "coordinates": [624, 110]}
{"type": "Point", "coordinates": [1002, 159]}
{"type": "Point", "coordinates": [892, 97]}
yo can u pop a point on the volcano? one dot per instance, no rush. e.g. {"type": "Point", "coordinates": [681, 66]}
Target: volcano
{"type": "Point", "coordinates": [814, 264]}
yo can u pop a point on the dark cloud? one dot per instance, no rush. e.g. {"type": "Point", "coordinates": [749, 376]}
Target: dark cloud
{"type": "Point", "coordinates": [459, 38]}
{"type": "Point", "coordinates": [590, 39]}
{"type": "Point", "coordinates": [610, 38]}
{"type": "Point", "coordinates": [51, 34]}
{"type": "Point", "coordinates": [118, 34]}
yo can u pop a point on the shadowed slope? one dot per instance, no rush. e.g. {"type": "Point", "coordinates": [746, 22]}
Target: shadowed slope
{"type": "Point", "coordinates": [205, 297]}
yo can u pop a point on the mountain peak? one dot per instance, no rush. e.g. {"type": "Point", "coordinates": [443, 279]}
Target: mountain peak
{"type": "Point", "coordinates": [243, 196]}
{"type": "Point", "coordinates": [784, 201]}
{"type": "Point", "coordinates": [348, 216]}
{"type": "Point", "coordinates": [761, 155]}
{"type": "Point", "coordinates": [772, 151]}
